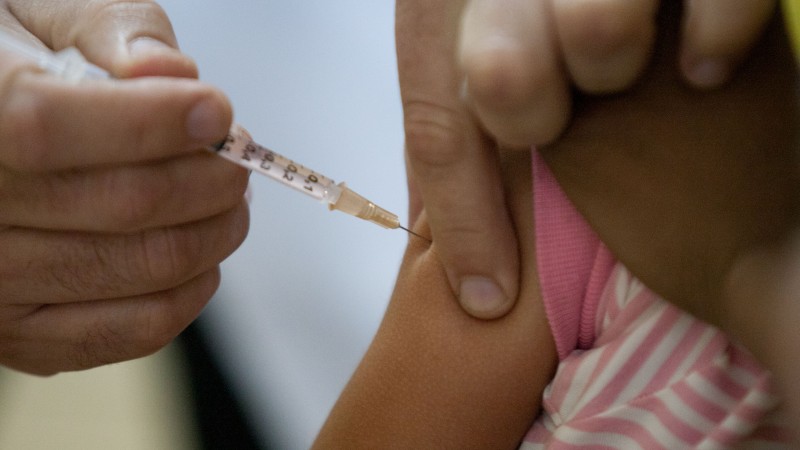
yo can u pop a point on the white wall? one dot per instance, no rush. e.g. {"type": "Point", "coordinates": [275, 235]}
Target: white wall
{"type": "Point", "coordinates": [314, 80]}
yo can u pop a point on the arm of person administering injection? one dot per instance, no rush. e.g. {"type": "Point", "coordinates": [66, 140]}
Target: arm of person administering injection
{"type": "Point", "coordinates": [434, 378]}
{"type": "Point", "coordinates": [515, 63]}
{"type": "Point", "coordinates": [113, 219]}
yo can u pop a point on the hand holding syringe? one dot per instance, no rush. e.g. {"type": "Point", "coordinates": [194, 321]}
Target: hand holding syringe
{"type": "Point", "coordinates": [238, 147]}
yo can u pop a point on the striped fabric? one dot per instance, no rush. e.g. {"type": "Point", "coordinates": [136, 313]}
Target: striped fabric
{"type": "Point", "coordinates": [640, 373]}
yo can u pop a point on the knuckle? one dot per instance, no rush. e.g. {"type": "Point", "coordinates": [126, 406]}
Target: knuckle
{"type": "Point", "coordinates": [504, 77]}
{"type": "Point", "coordinates": [603, 27]}
{"type": "Point", "coordinates": [80, 268]}
{"type": "Point", "coordinates": [84, 268]}
{"type": "Point", "coordinates": [104, 11]}
{"type": "Point", "coordinates": [135, 201]}
{"type": "Point", "coordinates": [169, 256]}
{"type": "Point", "coordinates": [464, 245]}
{"type": "Point", "coordinates": [435, 134]}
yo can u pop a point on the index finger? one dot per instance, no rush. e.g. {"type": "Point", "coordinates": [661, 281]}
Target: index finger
{"type": "Point", "coordinates": [453, 165]}
{"type": "Point", "coordinates": [46, 124]}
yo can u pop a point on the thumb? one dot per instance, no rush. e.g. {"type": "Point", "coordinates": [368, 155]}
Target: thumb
{"type": "Point", "coordinates": [129, 39]}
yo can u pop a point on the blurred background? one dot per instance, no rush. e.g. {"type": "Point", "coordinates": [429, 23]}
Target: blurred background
{"type": "Point", "coordinates": [316, 81]}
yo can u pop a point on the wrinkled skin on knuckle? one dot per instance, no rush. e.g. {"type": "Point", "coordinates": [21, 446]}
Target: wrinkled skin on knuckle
{"type": "Point", "coordinates": [456, 235]}
{"type": "Point", "coordinates": [134, 200]}
{"type": "Point", "coordinates": [81, 268]}
{"type": "Point", "coordinates": [110, 12]}
{"type": "Point", "coordinates": [106, 10]}
{"type": "Point", "coordinates": [168, 256]}
{"type": "Point", "coordinates": [96, 266]}
{"type": "Point", "coordinates": [434, 134]}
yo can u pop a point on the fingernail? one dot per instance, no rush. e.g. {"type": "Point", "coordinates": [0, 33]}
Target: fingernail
{"type": "Point", "coordinates": [482, 297]}
{"type": "Point", "coordinates": [147, 46]}
{"type": "Point", "coordinates": [203, 122]}
{"type": "Point", "coordinates": [707, 73]}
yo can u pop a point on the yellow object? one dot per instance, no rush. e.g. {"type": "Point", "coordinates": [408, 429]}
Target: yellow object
{"type": "Point", "coordinates": [351, 203]}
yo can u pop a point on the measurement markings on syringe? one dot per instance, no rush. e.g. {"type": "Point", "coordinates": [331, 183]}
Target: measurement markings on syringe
{"type": "Point", "coordinates": [263, 160]}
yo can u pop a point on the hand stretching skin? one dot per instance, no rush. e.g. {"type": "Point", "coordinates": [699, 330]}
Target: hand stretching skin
{"type": "Point", "coordinates": [113, 220]}
{"type": "Point", "coordinates": [480, 75]}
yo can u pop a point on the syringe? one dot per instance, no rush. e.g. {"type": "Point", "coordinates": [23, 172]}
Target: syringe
{"type": "Point", "coordinates": [240, 148]}
{"type": "Point", "coordinates": [69, 64]}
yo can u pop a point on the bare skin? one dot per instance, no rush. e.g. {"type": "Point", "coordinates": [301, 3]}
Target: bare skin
{"type": "Point", "coordinates": [437, 378]}
{"type": "Point", "coordinates": [480, 75]}
{"type": "Point", "coordinates": [696, 194]}
{"type": "Point", "coordinates": [113, 219]}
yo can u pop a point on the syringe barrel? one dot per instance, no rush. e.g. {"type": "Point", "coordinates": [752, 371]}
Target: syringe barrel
{"type": "Point", "coordinates": [240, 148]}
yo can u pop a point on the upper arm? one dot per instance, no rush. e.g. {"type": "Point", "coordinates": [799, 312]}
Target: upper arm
{"type": "Point", "coordinates": [681, 184]}
{"type": "Point", "coordinates": [435, 377]}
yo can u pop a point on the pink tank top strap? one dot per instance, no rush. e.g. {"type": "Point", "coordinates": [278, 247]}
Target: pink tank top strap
{"type": "Point", "coordinates": [572, 263]}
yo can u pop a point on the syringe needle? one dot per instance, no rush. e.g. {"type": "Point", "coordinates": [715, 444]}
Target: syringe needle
{"type": "Point", "coordinates": [415, 234]}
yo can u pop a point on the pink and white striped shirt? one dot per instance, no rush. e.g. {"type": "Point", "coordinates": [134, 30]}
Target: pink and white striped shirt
{"type": "Point", "coordinates": [634, 371]}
